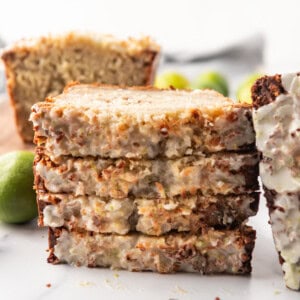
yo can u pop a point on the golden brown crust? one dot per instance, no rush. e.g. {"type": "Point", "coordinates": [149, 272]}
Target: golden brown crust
{"type": "Point", "coordinates": [131, 45]}
{"type": "Point", "coordinates": [146, 87]}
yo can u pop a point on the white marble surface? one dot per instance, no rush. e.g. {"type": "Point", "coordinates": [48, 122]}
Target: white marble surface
{"type": "Point", "coordinates": [24, 274]}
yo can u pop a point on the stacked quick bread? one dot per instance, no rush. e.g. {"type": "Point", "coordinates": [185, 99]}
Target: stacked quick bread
{"type": "Point", "coordinates": [40, 67]}
{"type": "Point", "coordinates": [146, 179]}
{"type": "Point", "coordinates": [276, 119]}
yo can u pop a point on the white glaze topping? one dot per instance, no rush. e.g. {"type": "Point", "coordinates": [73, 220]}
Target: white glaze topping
{"type": "Point", "coordinates": [277, 127]}
{"type": "Point", "coordinates": [286, 232]}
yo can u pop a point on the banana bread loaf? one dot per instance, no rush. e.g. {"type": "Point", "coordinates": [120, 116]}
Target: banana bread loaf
{"type": "Point", "coordinates": [41, 67]}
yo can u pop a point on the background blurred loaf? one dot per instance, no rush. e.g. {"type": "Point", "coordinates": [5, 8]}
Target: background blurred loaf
{"type": "Point", "coordinates": [41, 67]}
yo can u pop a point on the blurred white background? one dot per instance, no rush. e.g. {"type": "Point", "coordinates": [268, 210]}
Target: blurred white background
{"type": "Point", "coordinates": [202, 25]}
{"type": "Point", "coordinates": [190, 26]}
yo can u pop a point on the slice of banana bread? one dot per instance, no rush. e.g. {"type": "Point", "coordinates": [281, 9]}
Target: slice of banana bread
{"type": "Point", "coordinates": [41, 67]}
{"type": "Point", "coordinates": [139, 122]}
{"type": "Point", "coordinates": [221, 173]}
{"type": "Point", "coordinates": [149, 216]}
{"type": "Point", "coordinates": [209, 252]}
{"type": "Point", "coordinates": [276, 118]}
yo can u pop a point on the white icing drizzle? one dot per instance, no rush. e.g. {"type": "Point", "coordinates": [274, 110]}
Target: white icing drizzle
{"type": "Point", "coordinates": [286, 232]}
{"type": "Point", "coordinates": [277, 127]}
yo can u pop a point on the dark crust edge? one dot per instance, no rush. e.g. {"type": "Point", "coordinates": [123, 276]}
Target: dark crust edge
{"type": "Point", "coordinates": [249, 237]}
{"type": "Point", "coordinates": [270, 197]}
{"type": "Point", "coordinates": [246, 240]}
{"type": "Point", "coordinates": [266, 89]}
{"type": "Point", "coordinates": [251, 176]}
{"type": "Point", "coordinates": [53, 235]}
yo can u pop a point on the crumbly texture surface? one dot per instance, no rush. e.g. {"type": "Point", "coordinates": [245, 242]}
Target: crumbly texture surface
{"type": "Point", "coordinates": [211, 252]}
{"type": "Point", "coordinates": [113, 122]}
{"type": "Point", "coordinates": [276, 120]}
{"type": "Point", "coordinates": [41, 67]}
{"type": "Point", "coordinates": [149, 216]}
{"type": "Point", "coordinates": [223, 173]}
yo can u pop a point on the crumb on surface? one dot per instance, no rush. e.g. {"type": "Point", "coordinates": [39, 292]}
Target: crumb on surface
{"type": "Point", "coordinates": [277, 292]}
{"type": "Point", "coordinates": [86, 283]}
{"type": "Point", "coordinates": [48, 285]}
{"type": "Point", "coordinates": [217, 298]}
{"type": "Point", "coordinates": [116, 275]}
{"type": "Point", "coordinates": [180, 290]}
{"type": "Point", "coordinates": [114, 284]}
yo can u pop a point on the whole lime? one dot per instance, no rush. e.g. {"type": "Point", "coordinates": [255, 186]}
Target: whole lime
{"type": "Point", "coordinates": [243, 93]}
{"type": "Point", "coordinates": [17, 197]}
{"type": "Point", "coordinates": [212, 80]}
{"type": "Point", "coordinates": [167, 79]}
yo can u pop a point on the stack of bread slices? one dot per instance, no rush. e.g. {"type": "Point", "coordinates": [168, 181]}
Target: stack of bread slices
{"type": "Point", "coordinates": [146, 179]}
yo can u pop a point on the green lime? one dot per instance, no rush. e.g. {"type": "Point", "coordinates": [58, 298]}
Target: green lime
{"type": "Point", "coordinates": [17, 197]}
{"type": "Point", "coordinates": [176, 80]}
{"type": "Point", "coordinates": [212, 80]}
{"type": "Point", "coordinates": [243, 93]}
